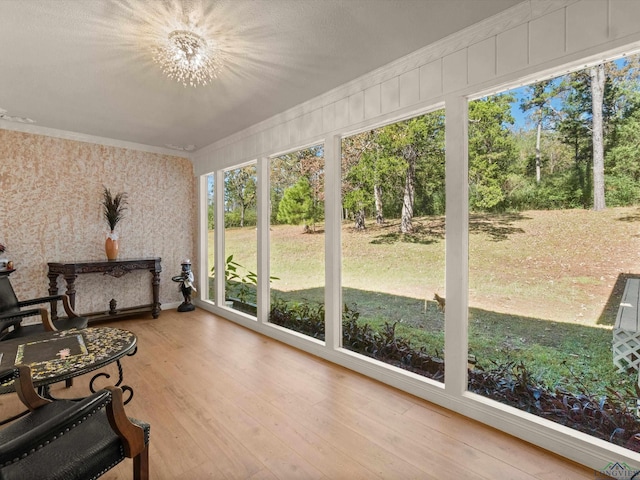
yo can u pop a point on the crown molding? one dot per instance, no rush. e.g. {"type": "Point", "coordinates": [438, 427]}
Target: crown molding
{"type": "Point", "coordinates": [80, 137]}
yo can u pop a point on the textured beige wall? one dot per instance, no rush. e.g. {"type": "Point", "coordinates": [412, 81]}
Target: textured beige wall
{"type": "Point", "coordinates": [50, 210]}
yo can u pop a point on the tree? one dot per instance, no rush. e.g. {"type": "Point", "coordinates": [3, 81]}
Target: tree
{"type": "Point", "coordinates": [240, 190]}
{"type": "Point", "coordinates": [406, 220]}
{"type": "Point", "coordinates": [356, 176]}
{"type": "Point", "coordinates": [283, 173]}
{"type": "Point", "coordinates": [414, 149]}
{"type": "Point", "coordinates": [373, 156]}
{"type": "Point", "coordinates": [211, 202]}
{"type": "Point", "coordinates": [286, 170]}
{"type": "Point", "coordinates": [298, 206]}
{"type": "Point", "coordinates": [623, 167]}
{"type": "Point", "coordinates": [211, 216]}
{"type": "Point", "coordinates": [622, 150]}
{"type": "Point", "coordinates": [539, 102]}
{"type": "Point", "coordinates": [624, 154]}
{"type": "Point", "coordinates": [597, 100]}
{"type": "Point", "coordinates": [492, 151]}
{"type": "Point", "coordinates": [597, 77]}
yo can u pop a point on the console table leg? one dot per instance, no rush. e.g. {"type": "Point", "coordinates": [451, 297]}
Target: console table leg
{"type": "Point", "coordinates": [155, 282]}
{"type": "Point", "coordinates": [71, 289]}
{"type": "Point", "coordinates": [53, 291]}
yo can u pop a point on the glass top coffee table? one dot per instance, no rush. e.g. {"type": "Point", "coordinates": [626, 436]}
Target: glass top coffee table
{"type": "Point", "coordinates": [58, 356]}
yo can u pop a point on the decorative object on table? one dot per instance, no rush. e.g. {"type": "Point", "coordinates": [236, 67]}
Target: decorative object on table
{"type": "Point", "coordinates": [113, 210]}
{"type": "Point", "coordinates": [186, 286]}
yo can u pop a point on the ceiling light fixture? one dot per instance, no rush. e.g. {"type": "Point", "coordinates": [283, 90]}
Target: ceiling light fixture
{"type": "Point", "coordinates": [188, 58]}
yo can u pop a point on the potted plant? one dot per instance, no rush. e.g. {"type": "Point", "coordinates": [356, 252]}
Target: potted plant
{"type": "Point", "coordinates": [113, 211]}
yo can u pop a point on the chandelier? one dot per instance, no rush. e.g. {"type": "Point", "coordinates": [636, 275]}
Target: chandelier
{"type": "Point", "coordinates": [187, 58]}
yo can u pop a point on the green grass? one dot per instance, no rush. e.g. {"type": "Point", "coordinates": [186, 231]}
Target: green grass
{"type": "Point", "coordinates": [544, 285]}
{"type": "Point", "coordinates": [559, 354]}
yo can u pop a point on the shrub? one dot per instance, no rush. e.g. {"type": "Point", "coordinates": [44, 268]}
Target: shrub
{"type": "Point", "coordinates": [232, 219]}
{"type": "Point", "coordinates": [612, 418]}
{"type": "Point", "coordinates": [621, 191]}
{"type": "Point", "coordinates": [299, 317]}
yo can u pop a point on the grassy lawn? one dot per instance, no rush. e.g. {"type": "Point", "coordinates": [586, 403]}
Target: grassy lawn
{"type": "Point", "coordinates": [544, 285]}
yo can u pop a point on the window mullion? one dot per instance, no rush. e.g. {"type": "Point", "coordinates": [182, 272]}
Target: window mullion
{"type": "Point", "coordinates": [457, 251]}
{"type": "Point", "coordinates": [219, 238]}
{"type": "Point", "coordinates": [333, 257]}
{"type": "Point", "coordinates": [263, 222]}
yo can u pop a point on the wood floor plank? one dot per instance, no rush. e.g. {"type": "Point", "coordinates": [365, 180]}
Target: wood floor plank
{"type": "Point", "coordinates": [227, 403]}
{"type": "Point", "coordinates": [504, 448]}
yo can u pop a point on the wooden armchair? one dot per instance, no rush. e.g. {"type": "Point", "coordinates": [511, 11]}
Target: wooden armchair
{"type": "Point", "coordinates": [12, 313]}
{"type": "Point", "coordinates": [70, 439]}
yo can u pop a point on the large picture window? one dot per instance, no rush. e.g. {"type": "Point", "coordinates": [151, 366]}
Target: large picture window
{"type": "Point", "coordinates": [393, 244]}
{"type": "Point", "coordinates": [211, 239]}
{"type": "Point", "coordinates": [541, 207]}
{"type": "Point", "coordinates": [297, 241]}
{"type": "Point", "coordinates": [553, 199]}
{"type": "Point", "coordinates": [240, 239]}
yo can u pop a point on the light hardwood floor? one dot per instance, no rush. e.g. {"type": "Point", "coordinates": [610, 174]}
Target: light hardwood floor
{"type": "Point", "coordinates": [225, 402]}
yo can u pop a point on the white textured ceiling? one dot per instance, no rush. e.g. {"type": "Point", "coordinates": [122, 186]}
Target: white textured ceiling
{"type": "Point", "coordinates": [86, 66]}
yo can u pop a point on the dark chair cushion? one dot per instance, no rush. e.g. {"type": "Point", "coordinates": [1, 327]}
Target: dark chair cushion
{"type": "Point", "coordinates": [84, 452]}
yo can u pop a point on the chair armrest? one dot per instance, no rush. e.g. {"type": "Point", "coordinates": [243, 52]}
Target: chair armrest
{"type": "Point", "coordinates": [18, 316]}
{"type": "Point", "coordinates": [52, 421]}
{"type": "Point", "coordinates": [26, 391]}
{"type": "Point", "coordinates": [38, 301]}
{"type": "Point", "coordinates": [53, 298]}
{"type": "Point", "coordinates": [132, 436]}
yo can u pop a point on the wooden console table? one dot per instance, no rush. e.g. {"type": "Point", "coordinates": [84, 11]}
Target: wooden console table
{"type": "Point", "coordinates": [114, 268]}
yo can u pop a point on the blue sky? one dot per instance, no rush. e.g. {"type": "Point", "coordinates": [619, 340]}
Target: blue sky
{"type": "Point", "coordinates": [521, 92]}
{"type": "Point", "coordinates": [519, 116]}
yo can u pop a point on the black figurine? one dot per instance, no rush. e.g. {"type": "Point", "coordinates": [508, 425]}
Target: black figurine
{"type": "Point", "coordinates": [186, 286]}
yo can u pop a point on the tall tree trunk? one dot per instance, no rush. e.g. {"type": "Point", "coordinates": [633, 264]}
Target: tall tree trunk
{"type": "Point", "coordinates": [359, 222]}
{"type": "Point", "coordinates": [377, 193]}
{"type": "Point", "coordinates": [597, 74]}
{"type": "Point", "coordinates": [406, 223]}
{"type": "Point", "coordinates": [538, 161]}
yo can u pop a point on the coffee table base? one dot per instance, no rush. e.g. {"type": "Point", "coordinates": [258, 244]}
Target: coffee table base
{"type": "Point", "coordinates": [126, 389]}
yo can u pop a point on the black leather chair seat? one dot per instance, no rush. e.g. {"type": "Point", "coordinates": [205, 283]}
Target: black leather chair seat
{"type": "Point", "coordinates": [83, 452]}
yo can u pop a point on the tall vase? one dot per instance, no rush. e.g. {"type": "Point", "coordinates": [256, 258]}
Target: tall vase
{"type": "Point", "coordinates": [111, 246]}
